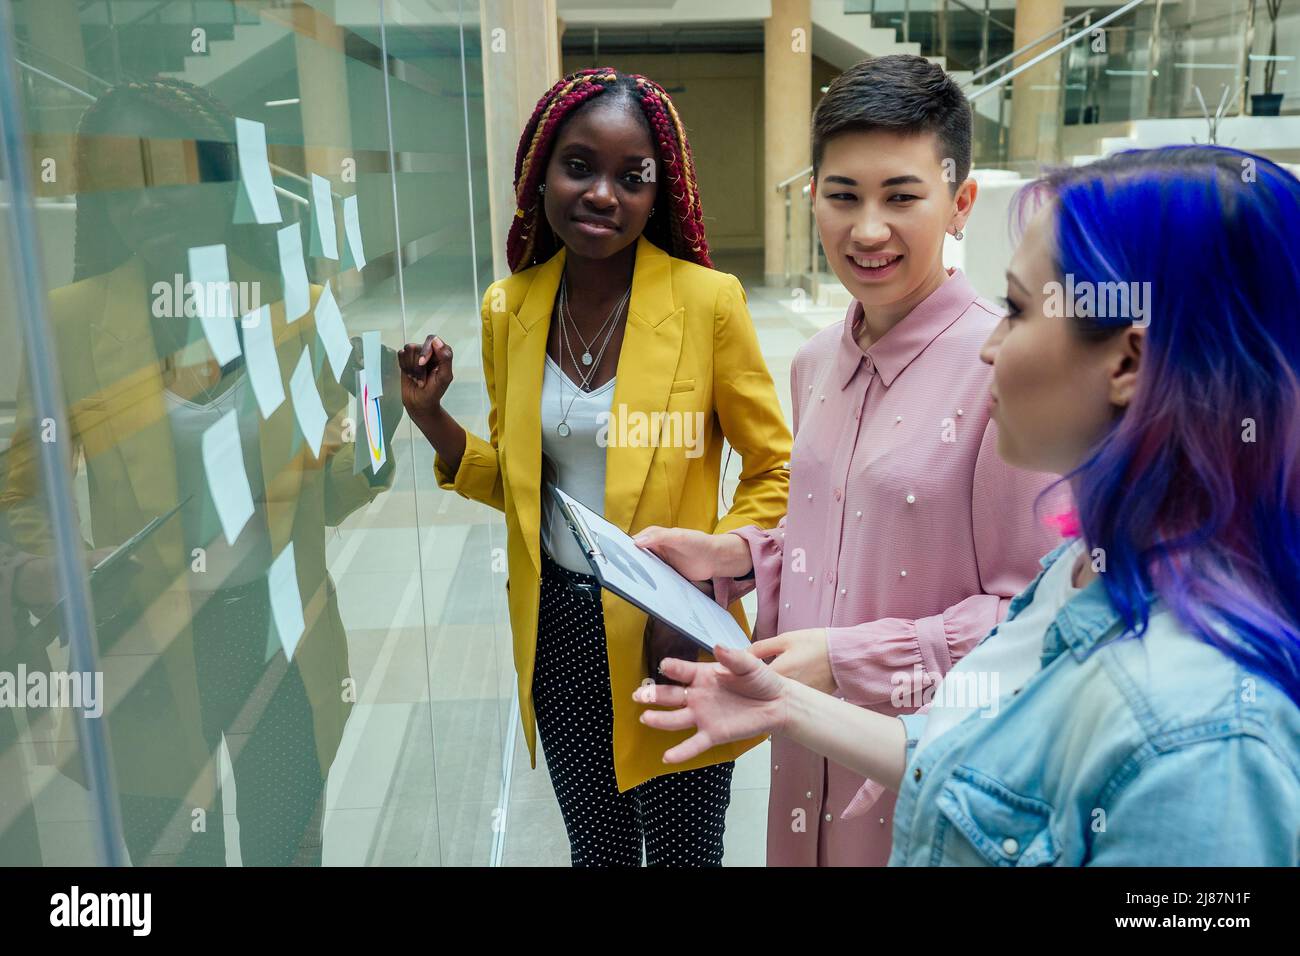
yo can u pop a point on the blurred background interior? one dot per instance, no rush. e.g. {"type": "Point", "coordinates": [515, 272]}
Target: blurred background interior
{"type": "Point", "coordinates": [119, 120]}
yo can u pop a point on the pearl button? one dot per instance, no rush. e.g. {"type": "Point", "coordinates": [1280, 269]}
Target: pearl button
{"type": "Point", "coordinates": [897, 419]}
{"type": "Point", "coordinates": [1010, 847]}
{"type": "Point", "coordinates": [902, 574]}
{"type": "Point", "coordinates": [787, 605]}
{"type": "Point", "coordinates": [882, 820]}
{"type": "Point", "coordinates": [828, 818]}
{"type": "Point", "coordinates": [859, 514]}
{"type": "Point", "coordinates": [823, 398]}
{"type": "Point", "coordinates": [810, 496]}
{"type": "Point", "coordinates": [808, 795]}
{"type": "Point", "coordinates": [776, 767]}
{"type": "Point", "coordinates": [843, 591]}
{"type": "Point", "coordinates": [911, 499]}
{"type": "Point", "coordinates": [959, 413]}
{"type": "Point", "coordinates": [811, 579]}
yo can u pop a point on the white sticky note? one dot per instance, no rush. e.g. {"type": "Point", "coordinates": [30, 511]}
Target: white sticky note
{"type": "Point", "coordinates": [286, 600]}
{"type": "Point", "coordinates": [307, 407]}
{"type": "Point", "coordinates": [373, 356]}
{"type": "Point", "coordinates": [256, 188]}
{"type": "Point", "coordinates": [210, 275]}
{"type": "Point", "coordinates": [323, 208]}
{"type": "Point", "coordinates": [352, 228]}
{"type": "Point", "coordinates": [297, 294]}
{"type": "Point", "coordinates": [223, 462]}
{"type": "Point", "coordinates": [333, 335]}
{"type": "Point", "coordinates": [263, 367]}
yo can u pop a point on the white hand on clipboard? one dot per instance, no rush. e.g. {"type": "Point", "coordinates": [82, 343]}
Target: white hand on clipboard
{"type": "Point", "coordinates": [642, 579]}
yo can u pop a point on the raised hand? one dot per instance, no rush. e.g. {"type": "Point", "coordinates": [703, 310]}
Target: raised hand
{"type": "Point", "coordinates": [426, 375]}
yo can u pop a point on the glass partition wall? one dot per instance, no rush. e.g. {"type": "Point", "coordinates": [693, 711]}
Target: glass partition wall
{"type": "Point", "coordinates": [238, 622]}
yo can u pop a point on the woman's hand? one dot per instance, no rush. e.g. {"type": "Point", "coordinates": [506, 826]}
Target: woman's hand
{"type": "Point", "coordinates": [426, 375]}
{"type": "Point", "coordinates": [734, 699]}
{"type": "Point", "coordinates": [695, 555]}
{"type": "Point", "coordinates": [800, 655]}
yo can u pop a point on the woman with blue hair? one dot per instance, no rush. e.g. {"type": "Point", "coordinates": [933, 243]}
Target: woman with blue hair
{"type": "Point", "coordinates": [1140, 704]}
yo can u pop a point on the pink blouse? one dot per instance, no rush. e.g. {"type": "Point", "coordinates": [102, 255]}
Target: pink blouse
{"type": "Point", "coordinates": [905, 535]}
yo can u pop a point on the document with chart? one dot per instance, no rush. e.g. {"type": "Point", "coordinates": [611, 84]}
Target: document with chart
{"type": "Point", "coordinates": [643, 579]}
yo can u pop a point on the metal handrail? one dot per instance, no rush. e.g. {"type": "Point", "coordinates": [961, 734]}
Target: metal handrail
{"type": "Point", "coordinates": [985, 14]}
{"type": "Point", "coordinates": [71, 66]}
{"type": "Point", "coordinates": [1052, 51]}
{"type": "Point", "coordinates": [288, 194]}
{"type": "Point", "coordinates": [799, 175]}
{"type": "Point", "coordinates": [55, 80]}
{"type": "Point", "coordinates": [1028, 46]}
{"type": "Point", "coordinates": [1119, 11]}
{"type": "Point", "coordinates": [134, 20]}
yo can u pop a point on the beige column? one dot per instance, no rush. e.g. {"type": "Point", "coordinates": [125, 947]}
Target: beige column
{"type": "Point", "coordinates": [787, 126]}
{"type": "Point", "coordinates": [521, 60]}
{"type": "Point", "coordinates": [1035, 112]}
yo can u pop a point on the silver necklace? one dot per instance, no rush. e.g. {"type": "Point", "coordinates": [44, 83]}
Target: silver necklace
{"type": "Point", "coordinates": [564, 312]}
{"type": "Point", "coordinates": [566, 343]}
{"type": "Point", "coordinates": [563, 428]}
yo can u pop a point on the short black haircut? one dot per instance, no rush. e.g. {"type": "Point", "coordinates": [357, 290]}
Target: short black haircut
{"type": "Point", "coordinates": [900, 93]}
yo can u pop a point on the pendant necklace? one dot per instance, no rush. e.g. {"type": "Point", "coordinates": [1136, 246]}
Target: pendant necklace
{"type": "Point", "coordinates": [564, 311]}
{"type": "Point", "coordinates": [592, 363]}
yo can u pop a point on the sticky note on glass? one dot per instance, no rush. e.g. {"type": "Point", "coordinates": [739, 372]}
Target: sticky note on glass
{"type": "Point", "coordinates": [352, 229]}
{"type": "Point", "coordinates": [256, 201]}
{"type": "Point", "coordinates": [307, 407]}
{"type": "Point", "coordinates": [223, 462]}
{"type": "Point", "coordinates": [373, 356]}
{"type": "Point", "coordinates": [210, 274]}
{"type": "Point", "coordinates": [286, 600]}
{"type": "Point", "coordinates": [297, 294]}
{"type": "Point", "coordinates": [323, 240]}
{"type": "Point", "coordinates": [263, 367]}
{"type": "Point", "coordinates": [374, 424]}
{"type": "Point", "coordinates": [333, 335]}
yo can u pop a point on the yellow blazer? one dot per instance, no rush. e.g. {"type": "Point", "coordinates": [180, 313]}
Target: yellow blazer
{"type": "Point", "coordinates": [118, 419]}
{"type": "Point", "coordinates": [689, 346]}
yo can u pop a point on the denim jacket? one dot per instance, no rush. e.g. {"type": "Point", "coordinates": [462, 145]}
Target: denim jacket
{"type": "Point", "coordinates": [1122, 751]}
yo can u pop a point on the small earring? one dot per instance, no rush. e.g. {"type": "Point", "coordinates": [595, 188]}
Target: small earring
{"type": "Point", "coordinates": [652, 210]}
{"type": "Point", "coordinates": [959, 235]}
{"type": "Point", "coordinates": [541, 189]}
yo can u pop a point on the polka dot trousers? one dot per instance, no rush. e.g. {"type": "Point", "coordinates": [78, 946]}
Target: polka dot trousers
{"type": "Point", "coordinates": [681, 816]}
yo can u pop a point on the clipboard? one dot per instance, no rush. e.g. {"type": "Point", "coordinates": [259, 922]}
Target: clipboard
{"type": "Point", "coordinates": [47, 628]}
{"type": "Point", "coordinates": [646, 581]}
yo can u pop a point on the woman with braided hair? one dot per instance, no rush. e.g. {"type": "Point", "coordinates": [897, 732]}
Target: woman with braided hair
{"type": "Point", "coordinates": [612, 324]}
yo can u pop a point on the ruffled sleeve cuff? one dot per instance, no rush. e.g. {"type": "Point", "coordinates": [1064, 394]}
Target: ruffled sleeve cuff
{"type": "Point", "coordinates": [766, 547]}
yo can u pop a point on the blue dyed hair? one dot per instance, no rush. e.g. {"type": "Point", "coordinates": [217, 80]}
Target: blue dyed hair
{"type": "Point", "coordinates": [1194, 493]}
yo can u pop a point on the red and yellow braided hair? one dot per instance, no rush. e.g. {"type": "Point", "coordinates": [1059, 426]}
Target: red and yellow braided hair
{"type": "Point", "coordinates": [678, 228]}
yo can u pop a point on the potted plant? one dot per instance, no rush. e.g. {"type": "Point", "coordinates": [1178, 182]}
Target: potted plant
{"type": "Point", "coordinates": [1269, 103]}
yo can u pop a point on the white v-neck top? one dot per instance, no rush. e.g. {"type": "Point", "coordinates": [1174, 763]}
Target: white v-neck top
{"type": "Point", "coordinates": [576, 462]}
